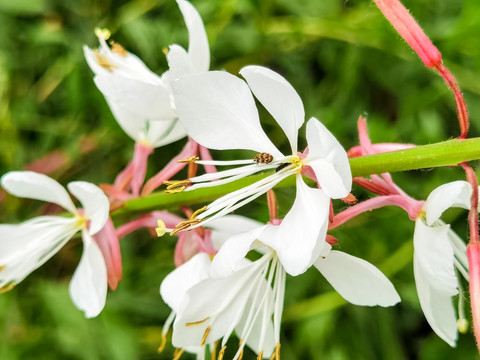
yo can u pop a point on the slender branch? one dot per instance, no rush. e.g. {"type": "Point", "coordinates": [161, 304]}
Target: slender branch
{"type": "Point", "coordinates": [447, 153]}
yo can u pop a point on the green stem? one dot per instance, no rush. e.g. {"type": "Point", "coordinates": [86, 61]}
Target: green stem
{"type": "Point", "coordinates": [447, 153]}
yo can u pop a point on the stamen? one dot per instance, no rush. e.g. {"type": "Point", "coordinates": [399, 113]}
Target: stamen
{"type": "Point", "coordinates": [205, 335]}
{"type": "Point", "coordinates": [276, 353]}
{"type": "Point", "coordinates": [221, 353]}
{"type": "Point", "coordinates": [260, 355]}
{"type": "Point", "coordinates": [177, 354]}
{"type": "Point", "coordinates": [189, 160]}
{"type": "Point", "coordinates": [194, 215]}
{"type": "Point", "coordinates": [102, 33]}
{"type": "Point", "coordinates": [297, 163]}
{"type": "Point", "coordinates": [176, 186]}
{"type": "Point", "coordinates": [213, 351]}
{"type": "Point", "coordinates": [81, 221]}
{"type": "Point", "coordinates": [7, 287]}
{"type": "Point", "coordinates": [3, 267]}
{"type": "Point", "coordinates": [195, 323]}
{"type": "Point", "coordinates": [162, 344]}
{"type": "Point", "coordinates": [161, 228]}
{"type": "Point", "coordinates": [240, 345]}
{"type": "Point", "coordinates": [118, 49]}
{"type": "Point", "coordinates": [179, 228]}
{"type": "Point", "coordinates": [103, 61]}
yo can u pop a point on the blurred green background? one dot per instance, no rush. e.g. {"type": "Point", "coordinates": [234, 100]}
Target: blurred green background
{"type": "Point", "coordinates": [343, 58]}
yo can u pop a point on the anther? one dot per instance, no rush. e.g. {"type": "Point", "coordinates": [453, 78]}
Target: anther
{"type": "Point", "coordinates": [205, 335]}
{"type": "Point", "coordinates": [161, 228]}
{"type": "Point", "coordinates": [2, 267]}
{"type": "Point", "coordinates": [221, 353]}
{"type": "Point", "coordinates": [162, 344]}
{"type": "Point", "coordinates": [260, 355]}
{"type": "Point", "coordinates": [7, 287]}
{"type": "Point", "coordinates": [189, 160]}
{"type": "Point", "coordinates": [118, 49]}
{"type": "Point", "coordinates": [176, 186]}
{"type": "Point", "coordinates": [195, 214]}
{"type": "Point", "coordinates": [177, 354]}
{"type": "Point", "coordinates": [195, 323]}
{"type": "Point", "coordinates": [103, 61]}
{"type": "Point", "coordinates": [240, 345]}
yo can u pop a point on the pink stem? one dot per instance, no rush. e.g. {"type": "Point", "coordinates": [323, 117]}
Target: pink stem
{"type": "Point", "coordinates": [171, 168]}
{"type": "Point", "coordinates": [473, 254]}
{"type": "Point", "coordinates": [473, 214]}
{"type": "Point", "coordinates": [107, 241]}
{"type": "Point", "coordinates": [411, 207]}
{"type": "Point", "coordinates": [205, 155]}
{"type": "Point", "coordinates": [140, 158]}
{"type": "Point", "coordinates": [462, 110]}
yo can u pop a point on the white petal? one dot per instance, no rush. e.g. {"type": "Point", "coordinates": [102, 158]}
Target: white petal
{"type": "Point", "coordinates": [88, 287]}
{"type": "Point", "coordinates": [328, 160]}
{"type": "Point", "coordinates": [219, 112]}
{"type": "Point", "coordinates": [299, 239]}
{"type": "Point", "coordinates": [32, 185]}
{"type": "Point", "coordinates": [356, 280]}
{"type": "Point", "coordinates": [198, 48]}
{"type": "Point", "coordinates": [27, 246]}
{"type": "Point", "coordinates": [94, 202]}
{"type": "Point", "coordinates": [435, 256]}
{"type": "Point", "coordinates": [176, 284]}
{"type": "Point", "coordinates": [215, 303]}
{"type": "Point", "coordinates": [179, 62]}
{"type": "Point", "coordinates": [436, 305]}
{"type": "Point", "coordinates": [165, 132]}
{"type": "Point", "coordinates": [453, 194]}
{"type": "Point", "coordinates": [279, 98]}
{"type": "Point", "coordinates": [145, 100]}
{"type": "Point", "coordinates": [233, 251]}
{"type": "Point", "coordinates": [229, 225]}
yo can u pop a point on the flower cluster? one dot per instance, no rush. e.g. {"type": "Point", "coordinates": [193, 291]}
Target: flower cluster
{"type": "Point", "coordinates": [231, 271]}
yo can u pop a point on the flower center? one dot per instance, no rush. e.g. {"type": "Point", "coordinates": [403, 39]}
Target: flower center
{"type": "Point", "coordinates": [81, 221]}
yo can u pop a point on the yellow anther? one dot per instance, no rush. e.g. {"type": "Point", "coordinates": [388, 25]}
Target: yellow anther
{"type": "Point", "coordinates": [103, 61]}
{"type": "Point", "coordinates": [240, 343]}
{"type": "Point", "coordinates": [102, 33]}
{"type": "Point", "coordinates": [185, 225]}
{"type": "Point", "coordinates": [462, 326]}
{"type": "Point", "coordinates": [165, 50]}
{"type": "Point", "coordinates": [277, 351]}
{"type": "Point", "coordinates": [194, 215]}
{"type": "Point", "coordinates": [195, 323]}
{"type": "Point", "coordinates": [177, 354]}
{"type": "Point", "coordinates": [189, 160]}
{"type": "Point", "coordinates": [118, 49]}
{"type": "Point", "coordinates": [3, 267]}
{"type": "Point", "coordinates": [7, 287]}
{"type": "Point", "coordinates": [214, 350]}
{"type": "Point", "coordinates": [422, 214]}
{"type": "Point", "coordinates": [221, 353]}
{"type": "Point", "coordinates": [175, 191]}
{"type": "Point", "coordinates": [260, 355]}
{"type": "Point", "coordinates": [162, 344]}
{"type": "Point", "coordinates": [161, 228]}
{"type": "Point", "coordinates": [205, 335]}
{"type": "Point", "coordinates": [176, 186]}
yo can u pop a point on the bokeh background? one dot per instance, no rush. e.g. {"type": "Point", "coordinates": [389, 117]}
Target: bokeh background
{"type": "Point", "coordinates": [343, 58]}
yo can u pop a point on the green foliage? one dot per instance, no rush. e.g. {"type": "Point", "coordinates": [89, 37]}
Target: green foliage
{"type": "Point", "coordinates": [343, 58]}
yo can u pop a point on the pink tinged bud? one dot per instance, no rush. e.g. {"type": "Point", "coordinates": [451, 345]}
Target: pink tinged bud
{"type": "Point", "coordinates": [107, 241]}
{"type": "Point", "coordinates": [473, 253]}
{"type": "Point", "coordinates": [140, 158]}
{"type": "Point", "coordinates": [410, 31]}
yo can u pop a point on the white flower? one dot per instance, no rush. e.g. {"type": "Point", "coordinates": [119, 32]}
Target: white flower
{"type": "Point", "coordinates": [248, 296]}
{"type": "Point", "coordinates": [27, 246]}
{"type": "Point", "coordinates": [438, 251]}
{"type": "Point", "coordinates": [219, 112]}
{"type": "Point", "coordinates": [140, 100]}
{"type": "Point", "coordinates": [179, 281]}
